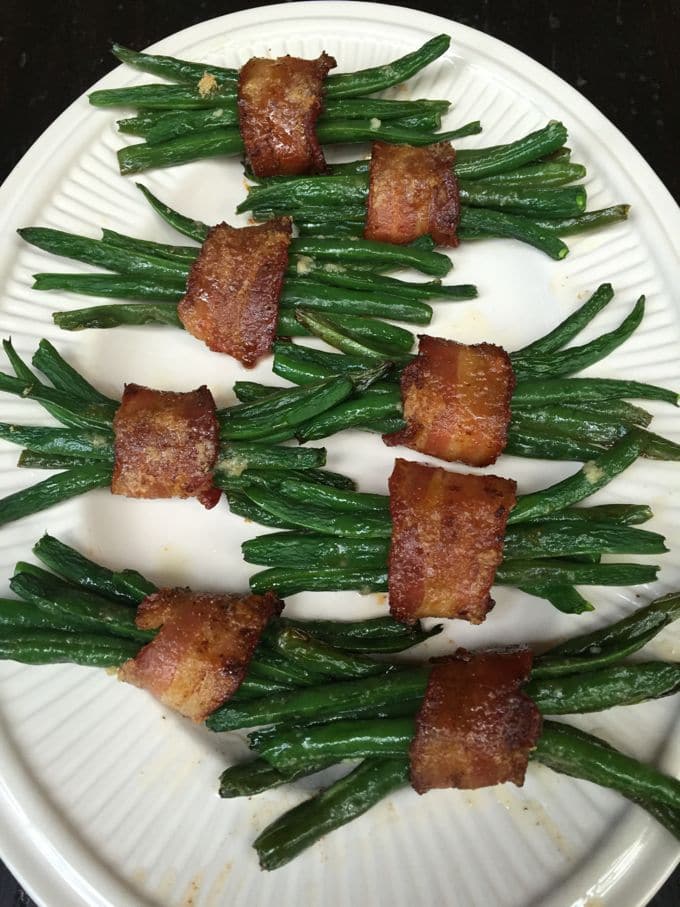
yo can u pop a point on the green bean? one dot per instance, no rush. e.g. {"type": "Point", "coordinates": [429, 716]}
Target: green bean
{"type": "Point", "coordinates": [187, 226]}
{"type": "Point", "coordinates": [548, 665]}
{"type": "Point", "coordinates": [348, 798]}
{"type": "Point", "coordinates": [325, 659]}
{"type": "Point", "coordinates": [583, 422]}
{"type": "Point", "coordinates": [61, 441]}
{"type": "Point", "coordinates": [537, 176]}
{"type": "Point", "coordinates": [20, 615]}
{"type": "Point", "coordinates": [117, 315]}
{"type": "Point", "coordinates": [180, 150]}
{"type": "Point", "coordinates": [372, 252]}
{"type": "Point", "coordinates": [241, 423]}
{"type": "Point", "coordinates": [236, 456]}
{"type": "Point", "coordinates": [344, 633]}
{"type": "Point", "coordinates": [341, 699]}
{"type": "Point", "coordinates": [514, 226]}
{"type": "Point", "coordinates": [310, 190]}
{"type": "Point", "coordinates": [64, 377]}
{"type": "Point", "coordinates": [571, 326]}
{"type": "Point", "coordinates": [286, 582]}
{"type": "Point", "coordinates": [68, 484]}
{"type": "Point", "coordinates": [527, 440]}
{"type": "Point", "coordinates": [97, 416]}
{"type": "Point", "coordinates": [332, 131]}
{"type": "Point", "coordinates": [605, 688]}
{"type": "Point", "coordinates": [376, 635]}
{"type": "Point", "coordinates": [324, 519]}
{"type": "Point", "coordinates": [163, 97]}
{"type": "Point", "coordinates": [109, 285]}
{"type": "Point", "coordinates": [171, 67]}
{"type": "Point", "coordinates": [253, 777]}
{"type": "Point", "coordinates": [31, 459]}
{"type": "Point", "coordinates": [52, 647]}
{"type": "Point", "coordinates": [370, 340]}
{"type": "Point", "coordinates": [126, 585]}
{"type": "Point", "coordinates": [95, 612]}
{"type": "Point", "coordinates": [250, 391]}
{"type": "Point", "coordinates": [354, 502]}
{"type": "Point", "coordinates": [271, 666]}
{"type": "Point", "coordinates": [157, 126]}
{"type": "Point", "coordinates": [255, 688]}
{"type": "Point", "coordinates": [337, 275]}
{"type": "Point", "coordinates": [384, 109]}
{"type": "Point", "coordinates": [503, 158]}
{"type": "Point", "coordinates": [590, 478]}
{"type": "Point", "coordinates": [573, 752]}
{"type": "Point", "coordinates": [580, 391]}
{"type": "Point", "coordinates": [621, 514]}
{"type": "Point", "coordinates": [339, 740]}
{"type": "Point", "coordinates": [555, 364]}
{"type": "Point", "coordinates": [185, 254]}
{"type": "Point", "coordinates": [344, 301]}
{"type": "Point", "coordinates": [567, 201]}
{"type": "Point", "coordinates": [564, 572]}
{"type": "Point", "coordinates": [295, 363]}
{"type": "Point", "coordinates": [97, 252]}
{"type": "Point", "coordinates": [380, 340]}
{"type": "Point", "coordinates": [654, 617]}
{"type": "Point", "coordinates": [298, 549]}
{"type": "Point", "coordinates": [241, 505]}
{"type": "Point", "coordinates": [589, 220]}
{"type": "Point", "coordinates": [377, 78]}
{"type": "Point", "coordinates": [373, 412]}
{"type": "Point", "coordinates": [564, 598]}
{"type": "Point", "coordinates": [536, 540]}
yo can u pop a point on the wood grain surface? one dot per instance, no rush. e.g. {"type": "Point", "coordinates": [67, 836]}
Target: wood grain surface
{"type": "Point", "coordinates": [621, 54]}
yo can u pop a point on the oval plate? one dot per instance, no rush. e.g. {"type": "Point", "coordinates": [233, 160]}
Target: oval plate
{"type": "Point", "coordinates": [117, 796]}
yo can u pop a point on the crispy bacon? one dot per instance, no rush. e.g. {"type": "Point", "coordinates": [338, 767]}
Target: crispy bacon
{"type": "Point", "coordinates": [232, 298]}
{"type": "Point", "coordinates": [412, 192]}
{"type": "Point", "coordinates": [447, 541]}
{"type": "Point", "coordinates": [166, 445]}
{"type": "Point", "coordinates": [456, 401]}
{"type": "Point", "coordinates": [279, 102]}
{"type": "Point", "coordinates": [475, 728]}
{"type": "Point", "coordinates": [203, 649]}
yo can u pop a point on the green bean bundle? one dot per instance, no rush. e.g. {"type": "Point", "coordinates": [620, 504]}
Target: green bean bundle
{"type": "Point", "coordinates": [336, 539]}
{"type": "Point", "coordinates": [83, 445]}
{"type": "Point", "coordinates": [512, 191]}
{"type": "Point", "coordinates": [81, 612]}
{"type": "Point", "coordinates": [197, 116]}
{"type": "Point", "coordinates": [553, 415]}
{"type": "Point", "coordinates": [312, 729]}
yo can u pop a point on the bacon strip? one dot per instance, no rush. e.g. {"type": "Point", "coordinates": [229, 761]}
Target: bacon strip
{"type": "Point", "coordinates": [232, 298]}
{"type": "Point", "coordinates": [166, 445]}
{"type": "Point", "coordinates": [447, 541]}
{"type": "Point", "coordinates": [475, 728]}
{"type": "Point", "coordinates": [279, 102]}
{"type": "Point", "coordinates": [412, 192]}
{"type": "Point", "coordinates": [202, 651]}
{"type": "Point", "coordinates": [456, 401]}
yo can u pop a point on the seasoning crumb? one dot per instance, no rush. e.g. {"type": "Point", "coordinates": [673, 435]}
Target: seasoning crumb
{"type": "Point", "coordinates": [207, 85]}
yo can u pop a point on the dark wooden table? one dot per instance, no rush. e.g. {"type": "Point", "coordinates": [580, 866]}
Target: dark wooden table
{"type": "Point", "coordinates": [621, 55]}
